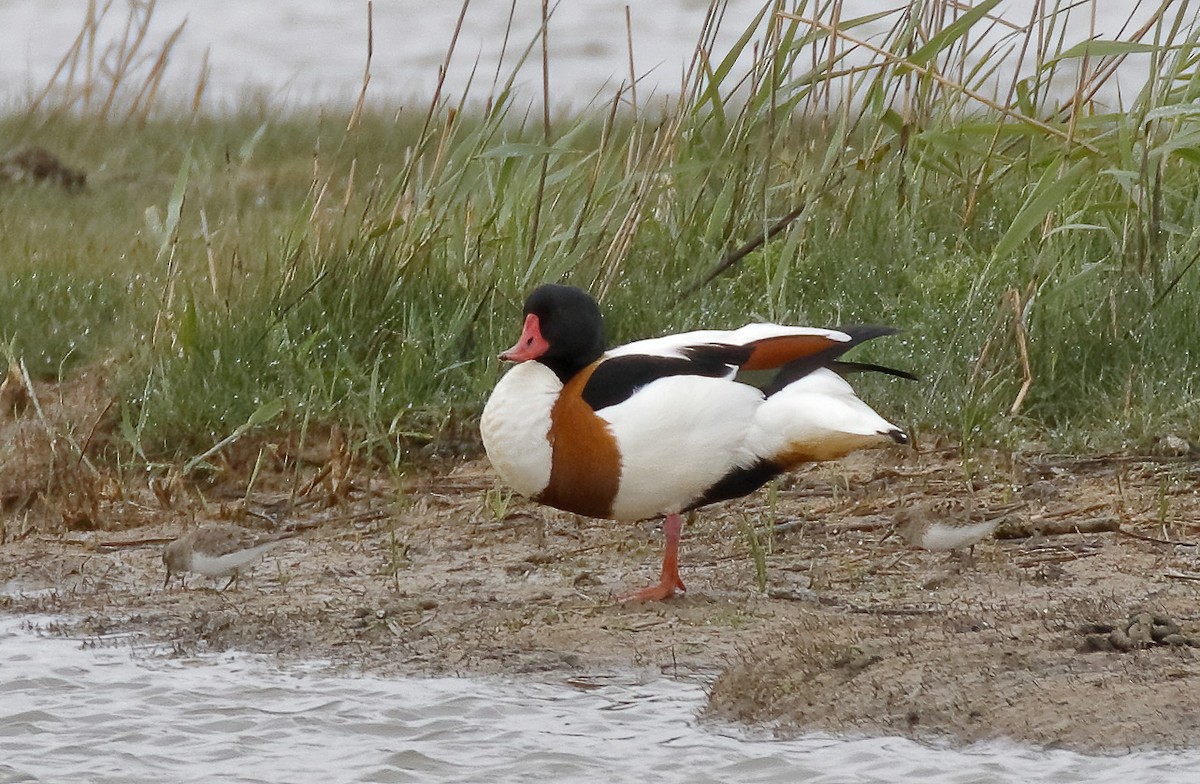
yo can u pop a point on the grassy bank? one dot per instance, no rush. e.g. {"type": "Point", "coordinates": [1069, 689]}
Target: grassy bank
{"type": "Point", "coordinates": [285, 269]}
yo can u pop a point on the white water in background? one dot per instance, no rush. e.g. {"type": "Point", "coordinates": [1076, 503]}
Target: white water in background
{"type": "Point", "coordinates": [305, 52]}
{"type": "Point", "coordinates": [72, 712]}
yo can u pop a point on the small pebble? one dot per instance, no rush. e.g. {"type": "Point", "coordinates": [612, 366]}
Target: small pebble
{"type": "Point", "coordinates": [1120, 640]}
{"type": "Point", "coordinates": [1161, 631]}
{"type": "Point", "coordinates": [1139, 631]}
{"type": "Point", "coordinates": [1096, 628]}
{"type": "Point", "coordinates": [1041, 490]}
{"type": "Point", "coordinates": [1094, 643]}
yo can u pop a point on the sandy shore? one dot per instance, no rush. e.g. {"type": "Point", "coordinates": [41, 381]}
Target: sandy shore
{"type": "Point", "coordinates": [1082, 640]}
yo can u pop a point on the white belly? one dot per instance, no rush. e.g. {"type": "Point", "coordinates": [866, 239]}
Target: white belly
{"type": "Point", "coordinates": [229, 564]}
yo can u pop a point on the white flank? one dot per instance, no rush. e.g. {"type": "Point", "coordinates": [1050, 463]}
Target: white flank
{"type": "Point", "coordinates": [514, 425]}
{"type": "Point", "coordinates": [949, 536]}
{"type": "Point", "coordinates": [677, 436]}
{"type": "Point", "coordinates": [818, 414]}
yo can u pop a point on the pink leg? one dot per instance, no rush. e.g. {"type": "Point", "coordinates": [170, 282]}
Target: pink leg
{"type": "Point", "coordinates": [669, 581]}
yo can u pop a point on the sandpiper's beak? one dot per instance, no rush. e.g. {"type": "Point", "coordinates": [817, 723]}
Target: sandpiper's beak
{"type": "Point", "coordinates": [890, 533]}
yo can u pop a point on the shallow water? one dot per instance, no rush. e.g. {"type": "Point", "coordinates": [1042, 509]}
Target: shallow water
{"type": "Point", "coordinates": [314, 51]}
{"type": "Point", "coordinates": [72, 710]}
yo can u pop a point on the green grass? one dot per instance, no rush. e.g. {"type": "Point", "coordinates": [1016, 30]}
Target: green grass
{"type": "Point", "coordinates": [273, 269]}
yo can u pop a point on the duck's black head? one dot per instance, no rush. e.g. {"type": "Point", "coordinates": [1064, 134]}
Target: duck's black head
{"type": "Point", "coordinates": [563, 330]}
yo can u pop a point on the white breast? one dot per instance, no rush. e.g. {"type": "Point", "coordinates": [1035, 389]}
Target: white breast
{"type": "Point", "coordinates": [515, 423]}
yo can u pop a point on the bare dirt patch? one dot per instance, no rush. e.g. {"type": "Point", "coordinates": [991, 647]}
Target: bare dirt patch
{"type": "Point", "coordinates": [1082, 640]}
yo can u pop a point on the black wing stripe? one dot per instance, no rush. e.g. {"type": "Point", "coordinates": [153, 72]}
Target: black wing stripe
{"type": "Point", "coordinates": [616, 380]}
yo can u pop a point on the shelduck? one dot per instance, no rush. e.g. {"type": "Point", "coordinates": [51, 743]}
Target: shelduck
{"type": "Point", "coordinates": [663, 426]}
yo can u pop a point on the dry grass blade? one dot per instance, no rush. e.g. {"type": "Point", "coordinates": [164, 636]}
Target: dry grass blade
{"type": "Point", "coordinates": [143, 101]}
{"type": "Point", "coordinates": [126, 76]}
{"type": "Point", "coordinates": [1020, 337]}
{"type": "Point", "coordinates": [86, 32]}
{"type": "Point", "coordinates": [366, 79]}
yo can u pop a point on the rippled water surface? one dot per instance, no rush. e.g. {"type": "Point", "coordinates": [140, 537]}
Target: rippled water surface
{"type": "Point", "coordinates": [75, 713]}
{"type": "Point", "coordinates": [314, 51]}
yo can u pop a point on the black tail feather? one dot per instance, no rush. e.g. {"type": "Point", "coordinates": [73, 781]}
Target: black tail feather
{"type": "Point", "coordinates": [842, 367]}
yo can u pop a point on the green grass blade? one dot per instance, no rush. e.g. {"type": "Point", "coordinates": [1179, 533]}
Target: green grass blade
{"type": "Point", "coordinates": [1050, 190]}
{"type": "Point", "coordinates": [1103, 48]}
{"type": "Point", "coordinates": [952, 32]}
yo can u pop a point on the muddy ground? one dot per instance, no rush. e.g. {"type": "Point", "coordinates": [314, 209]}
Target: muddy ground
{"type": "Point", "coordinates": [800, 610]}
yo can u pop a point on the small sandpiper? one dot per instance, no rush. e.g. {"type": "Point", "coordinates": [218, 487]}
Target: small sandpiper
{"type": "Point", "coordinates": [217, 550]}
{"type": "Point", "coordinates": [949, 523]}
